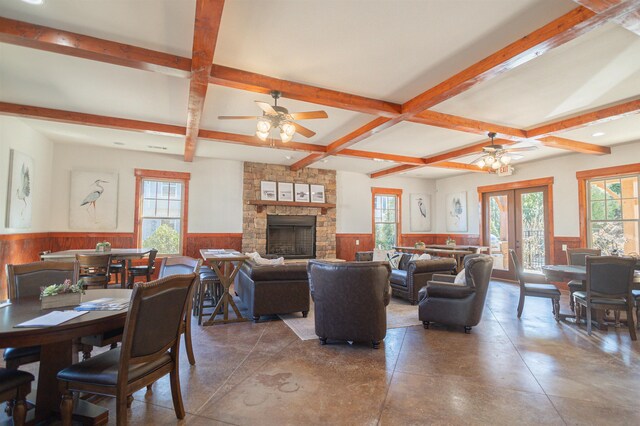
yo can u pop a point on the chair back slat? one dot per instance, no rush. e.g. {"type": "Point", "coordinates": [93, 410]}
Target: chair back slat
{"type": "Point", "coordinates": [577, 256]}
{"type": "Point", "coordinates": [26, 279]}
{"type": "Point", "coordinates": [155, 317]}
{"type": "Point", "coordinates": [179, 265]}
{"type": "Point", "coordinates": [94, 269]}
{"type": "Point", "coordinates": [152, 259]}
{"type": "Point", "coordinates": [609, 276]}
{"type": "Point", "coordinates": [517, 266]}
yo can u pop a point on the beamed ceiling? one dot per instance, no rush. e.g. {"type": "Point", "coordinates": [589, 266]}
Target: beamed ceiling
{"type": "Point", "coordinates": [410, 86]}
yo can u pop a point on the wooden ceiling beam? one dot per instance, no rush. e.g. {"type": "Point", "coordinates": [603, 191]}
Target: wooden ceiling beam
{"type": "Point", "coordinates": [575, 146]}
{"type": "Point", "coordinates": [467, 125]}
{"type": "Point", "coordinates": [61, 116]}
{"type": "Point", "coordinates": [630, 21]}
{"type": "Point", "coordinates": [556, 33]}
{"type": "Point", "coordinates": [258, 83]}
{"type": "Point", "coordinates": [443, 164]}
{"type": "Point", "coordinates": [602, 115]}
{"type": "Point", "coordinates": [475, 148]}
{"type": "Point", "coordinates": [205, 35]}
{"type": "Point", "coordinates": [256, 142]}
{"type": "Point", "coordinates": [81, 46]}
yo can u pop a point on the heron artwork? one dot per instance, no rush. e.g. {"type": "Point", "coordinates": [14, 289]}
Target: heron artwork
{"type": "Point", "coordinates": [24, 188]}
{"type": "Point", "coordinates": [90, 200]}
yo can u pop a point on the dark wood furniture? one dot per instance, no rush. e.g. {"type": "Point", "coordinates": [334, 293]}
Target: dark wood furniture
{"type": "Point", "coordinates": [143, 270]}
{"type": "Point", "coordinates": [609, 285]}
{"type": "Point", "coordinates": [578, 256]}
{"type": "Point", "coordinates": [548, 291]}
{"type": "Point", "coordinates": [226, 266]}
{"type": "Point", "coordinates": [94, 269]}
{"type": "Point", "coordinates": [148, 352]}
{"type": "Point", "coordinates": [56, 347]}
{"type": "Point", "coordinates": [457, 254]}
{"type": "Point", "coordinates": [209, 288]}
{"type": "Point", "coordinates": [14, 387]}
{"type": "Point", "coordinates": [117, 254]}
{"type": "Point", "coordinates": [178, 265]}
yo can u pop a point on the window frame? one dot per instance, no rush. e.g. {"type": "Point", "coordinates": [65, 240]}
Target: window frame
{"type": "Point", "coordinates": [160, 175]}
{"type": "Point", "coordinates": [584, 177]}
{"type": "Point", "coordinates": [387, 191]}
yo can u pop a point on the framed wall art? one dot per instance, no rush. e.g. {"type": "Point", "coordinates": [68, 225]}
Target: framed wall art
{"type": "Point", "coordinates": [420, 211]}
{"type": "Point", "coordinates": [302, 192]}
{"type": "Point", "coordinates": [456, 214]}
{"type": "Point", "coordinates": [20, 195]}
{"type": "Point", "coordinates": [285, 191]}
{"type": "Point", "coordinates": [93, 201]}
{"type": "Point", "coordinates": [268, 191]}
{"type": "Point", "coordinates": [317, 194]}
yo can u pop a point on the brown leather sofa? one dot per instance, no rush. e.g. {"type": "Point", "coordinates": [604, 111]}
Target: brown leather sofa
{"type": "Point", "coordinates": [448, 303]}
{"type": "Point", "coordinates": [273, 289]}
{"type": "Point", "coordinates": [350, 300]}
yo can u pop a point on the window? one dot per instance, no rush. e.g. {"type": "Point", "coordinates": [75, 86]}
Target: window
{"type": "Point", "coordinates": [613, 217]}
{"type": "Point", "coordinates": [161, 212]}
{"type": "Point", "coordinates": [386, 216]}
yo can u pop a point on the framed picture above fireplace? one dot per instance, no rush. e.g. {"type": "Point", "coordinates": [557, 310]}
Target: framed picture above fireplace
{"type": "Point", "coordinates": [285, 191]}
{"type": "Point", "coordinates": [268, 190]}
{"type": "Point", "coordinates": [317, 193]}
{"type": "Point", "coordinates": [302, 192]}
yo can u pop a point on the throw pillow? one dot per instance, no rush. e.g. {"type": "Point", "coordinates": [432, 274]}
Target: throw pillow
{"type": "Point", "coordinates": [394, 259]}
{"type": "Point", "coordinates": [424, 256]}
{"type": "Point", "coordinates": [460, 278]}
{"type": "Point", "coordinates": [380, 255]}
{"type": "Point", "coordinates": [255, 256]}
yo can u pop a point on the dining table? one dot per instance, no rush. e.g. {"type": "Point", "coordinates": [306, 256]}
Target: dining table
{"type": "Point", "coordinates": [457, 254]}
{"type": "Point", "coordinates": [226, 264]}
{"type": "Point", "coordinates": [56, 347]}
{"type": "Point", "coordinates": [123, 255]}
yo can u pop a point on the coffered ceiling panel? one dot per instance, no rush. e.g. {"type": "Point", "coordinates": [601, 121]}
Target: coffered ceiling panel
{"type": "Point", "coordinates": [208, 148]}
{"type": "Point", "coordinates": [164, 25]}
{"type": "Point", "coordinates": [44, 79]}
{"type": "Point", "coordinates": [391, 50]}
{"type": "Point", "coordinates": [352, 164]}
{"type": "Point", "coordinates": [617, 131]}
{"type": "Point", "coordinates": [225, 101]}
{"type": "Point", "coordinates": [593, 70]}
{"type": "Point", "coordinates": [416, 140]}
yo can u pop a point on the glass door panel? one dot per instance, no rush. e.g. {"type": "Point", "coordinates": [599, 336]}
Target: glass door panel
{"type": "Point", "coordinates": [531, 242]}
{"type": "Point", "coordinates": [499, 231]}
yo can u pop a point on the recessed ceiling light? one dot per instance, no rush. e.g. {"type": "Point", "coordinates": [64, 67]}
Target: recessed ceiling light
{"type": "Point", "coordinates": [596, 134]}
{"type": "Point", "coordinates": [325, 160]}
{"type": "Point", "coordinates": [288, 157]}
{"type": "Point", "coordinates": [36, 2]}
{"type": "Point", "coordinates": [118, 143]}
{"type": "Point", "coordinates": [378, 159]}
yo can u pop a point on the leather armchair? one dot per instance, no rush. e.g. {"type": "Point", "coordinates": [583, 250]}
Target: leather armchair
{"type": "Point", "coordinates": [350, 300]}
{"type": "Point", "coordinates": [448, 303]}
{"type": "Point", "coordinates": [411, 276]}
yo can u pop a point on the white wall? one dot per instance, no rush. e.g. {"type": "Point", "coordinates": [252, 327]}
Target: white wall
{"type": "Point", "coordinates": [215, 188]}
{"type": "Point", "coordinates": [14, 134]}
{"type": "Point", "coordinates": [565, 188]}
{"type": "Point", "coordinates": [354, 200]}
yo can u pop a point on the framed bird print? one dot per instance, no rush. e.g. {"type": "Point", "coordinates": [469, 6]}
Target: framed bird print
{"type": "Point", "coordinates": [420, 211]}
{"type": "Point", "coordinates": [20, 191]}
{"type": "Point", "coordinates": [93, 201]}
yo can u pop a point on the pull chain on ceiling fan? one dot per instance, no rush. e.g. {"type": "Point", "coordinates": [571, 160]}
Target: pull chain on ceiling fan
{"type": "Point", "coordinates": [278, 117]}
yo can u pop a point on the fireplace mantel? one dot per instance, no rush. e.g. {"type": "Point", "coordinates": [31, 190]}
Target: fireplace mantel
{"type": "Point", "coordinates": [262, 203]}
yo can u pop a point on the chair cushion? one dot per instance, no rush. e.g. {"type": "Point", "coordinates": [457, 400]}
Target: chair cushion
{"type": "Point", "coordinates": [102, 369]}
{"type": "Point", "coordinates": [11, 379]}
{"type": "Point", "coordinates": [582, 295]}
{"type": "Point", "coordinates": [15, 353]}
{"type": "Point", "coordinates": [398, 276]}
{"type": "Point", "coordinates": [575, 285]}
{"type": "Point", "coordinates": [541, 289]}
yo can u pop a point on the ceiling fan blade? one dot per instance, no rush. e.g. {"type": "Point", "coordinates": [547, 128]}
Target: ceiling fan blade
{"type": "Point", "coordinates": [238, 117]}
{"type": "Point", "coordinates": [475, 160]}
{"type": "Point", "coordinates": [308, 115]}
{"type": "Point", "coordinates": [267, 108]}
{"type": "Point", "coordinates": [523, 149]}
{"type": "Point", "coordinates": [517, 157]}
{"type": "Point", "coordinates": [304, 131]}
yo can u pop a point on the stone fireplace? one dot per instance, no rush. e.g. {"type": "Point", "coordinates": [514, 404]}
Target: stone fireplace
{"type": "Point", "coordinates": [292, 237]}
{"type": "Point", "coordinates": [257, 218]}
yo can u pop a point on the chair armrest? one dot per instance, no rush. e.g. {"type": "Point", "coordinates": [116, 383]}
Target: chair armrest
{"type": "Point", "coordinates": [443, 278]}
{"type": "Point", "coordinates": [448, 291]}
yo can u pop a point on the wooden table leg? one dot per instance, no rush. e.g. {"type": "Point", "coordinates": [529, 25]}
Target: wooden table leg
{"type": "Point", "coordinates": [226, 274]}
{"type": "Point", "coordinates": [123, 274]}
{"type": "Point", "coordinates": [53, 358]}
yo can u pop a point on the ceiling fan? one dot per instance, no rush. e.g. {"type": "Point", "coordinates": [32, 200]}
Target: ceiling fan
{"type": "Point", "coordinates": [278, 117]}
{"type": "Point", "coordinates": [495, 155]}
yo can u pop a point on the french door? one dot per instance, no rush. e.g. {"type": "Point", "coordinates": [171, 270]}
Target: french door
{"type": "Point", "coordinates": [517, 219]}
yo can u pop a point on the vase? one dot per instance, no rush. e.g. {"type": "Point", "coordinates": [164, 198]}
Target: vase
{"type": "Point", "coordinates": [60, 300]}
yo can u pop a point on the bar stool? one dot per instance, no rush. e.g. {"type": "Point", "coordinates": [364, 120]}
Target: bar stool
{"type": "Point", "coordinates": [209, 288]}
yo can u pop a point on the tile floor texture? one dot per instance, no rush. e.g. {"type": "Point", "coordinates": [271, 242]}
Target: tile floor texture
{"type": "Point", "coordinates": [507, 371]}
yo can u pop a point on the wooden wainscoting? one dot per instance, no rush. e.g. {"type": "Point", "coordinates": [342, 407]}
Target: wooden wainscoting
{"type": "Point", "coordinates": [20, 248]}
{"type": "Point", "coordinates": [346, 247]}
{"type": "Point", "coordinates": [79, 240]}
{"type": "Point", "coordinates": [195, 242]}
{"type": "Point", "coordinates": [560, 256]}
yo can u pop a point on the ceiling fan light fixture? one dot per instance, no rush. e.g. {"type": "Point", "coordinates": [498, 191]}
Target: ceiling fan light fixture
{"type": "Point", "coordinates": [480, 163]}
{"type": "Point", "coordinates": [489, 160]}
{"type": "Point", "coordinates": [263, 125]}
{"type": "Point", "coordinates": [505, 159]}
{"type": "Point", "coordinates": [288, 128]}
{"type": "Point", "coordinates": [262, 135]}
{"type": "Point", "coordinates": [285, 137]}
{"type": "Point", "coordinates": [495, 165]}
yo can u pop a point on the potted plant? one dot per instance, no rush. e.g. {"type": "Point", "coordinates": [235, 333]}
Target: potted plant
{"type": "Point", "coordinates": [451, 241]}
{"type": "Point", "coordinates": [104, 246]}
{"type": "Point", "coordinates": [59, 295]}
{"type": "Point", "coordinates": [420, 245]}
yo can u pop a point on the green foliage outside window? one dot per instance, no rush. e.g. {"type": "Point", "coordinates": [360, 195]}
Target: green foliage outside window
{"type": "Point", "coordinates": [165, 239]}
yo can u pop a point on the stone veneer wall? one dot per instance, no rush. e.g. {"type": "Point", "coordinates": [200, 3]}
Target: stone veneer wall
{"type": "Point", "coordinates": [254, 224]}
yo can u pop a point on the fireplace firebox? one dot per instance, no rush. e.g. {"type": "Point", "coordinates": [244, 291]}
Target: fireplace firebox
{"type": "Point", "coordinates": [292, 237]}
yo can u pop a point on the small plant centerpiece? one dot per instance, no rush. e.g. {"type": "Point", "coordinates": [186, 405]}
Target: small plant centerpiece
{"type": "Point", "coordinates": [451, 241]}
{"type": "Point", "coordinates": [104, 246]}
{"type": "Point", "coordinates": [59, 295]}
{"type": "Point", "coordinates": [420, 245]}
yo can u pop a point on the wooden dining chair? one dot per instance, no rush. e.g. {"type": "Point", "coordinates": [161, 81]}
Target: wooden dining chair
{"type": "Point", "coordinates": [578, 256]}
{"type": "Point", "coordinates": [94, 269]}
{"type": "Point", "coordinates": [548, 291]}
{"type": "Point", "coordinates": [142, 270]}
{"type": "Point", "coordinates": [183, 265]}
{"type": "Point", "coordinates": [148, 351]}
{"type": "Point", "coordinates": [609, 285]}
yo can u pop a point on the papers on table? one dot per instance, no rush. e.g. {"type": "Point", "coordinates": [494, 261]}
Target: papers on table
{"type": "Point", "coordinates": [51, 319]}
{"type": "Point", "coordinates": [5, 303]}
{"type": "Point", "coordinates": [104, 304]}
{"type": "Point", "coordinates": [216, 251]}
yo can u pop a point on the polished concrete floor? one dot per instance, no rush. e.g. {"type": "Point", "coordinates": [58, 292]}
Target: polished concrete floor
{"type": "Point", "coordinates": [507, 371]}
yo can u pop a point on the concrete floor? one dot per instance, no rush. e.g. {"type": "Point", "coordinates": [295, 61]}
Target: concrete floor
{"type": "Point", "coordinates": [507, 371]}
